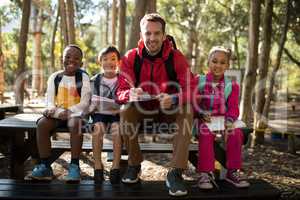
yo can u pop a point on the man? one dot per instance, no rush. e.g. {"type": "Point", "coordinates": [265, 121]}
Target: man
{"type": "Point", "coordinates": [145, 74]}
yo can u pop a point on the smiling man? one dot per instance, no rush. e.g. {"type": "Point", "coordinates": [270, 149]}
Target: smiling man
{"type": "Point", "coordinates": [156, 70]}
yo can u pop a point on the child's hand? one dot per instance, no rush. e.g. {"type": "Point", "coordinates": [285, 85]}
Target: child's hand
{"type": "Point", "coordinates": [229, 125]}
{"type": "Point", "coordinates": [206, 117]}
{"type": "Point", "coordinates": [64, 115]}
{"type": "Point", "coordinates": [49, 112]}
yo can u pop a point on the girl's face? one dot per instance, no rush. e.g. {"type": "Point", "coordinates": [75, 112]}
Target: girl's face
{"type": "Point", "coordinates": [218, 63]}
{"type": "Point", "coordinates": [109, 63]}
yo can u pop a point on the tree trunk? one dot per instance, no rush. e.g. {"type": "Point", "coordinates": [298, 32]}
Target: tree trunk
{"type": "Point", "coordinates": [114, 22]}
{"type": "Point", "coordinates": [151, 7]}
{"type": "Point", "coordinates": [260, 90]}
{"type": "Point", "coordinates": [63, 23]}
{"type": "Point", "coordinates": [21, 78]}
{"type": "Point", "coordinates": [2, 81]}
{"type": "Point", "coordinates": [278, 58]}
{"type": "Point", "coordinates": [37, 71]}
{"type": "Point", "coordinates": [236, 51]}
{"type": "Point", "coordinates": [107, 24]}
{"type": "Point", "coordinates": [122, 26]}
{"type": "Point", "coordinates": [251, 65]}
{"type": "Point", "coordinates": [139, 12]}
{"type": "Point", "coordinates": [52, 55]}
{"type": "Point", "coordinates": [70, 22]}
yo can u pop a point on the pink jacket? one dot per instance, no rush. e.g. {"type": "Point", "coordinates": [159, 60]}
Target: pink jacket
{"type": "Point", "coordinates": [229, 109]}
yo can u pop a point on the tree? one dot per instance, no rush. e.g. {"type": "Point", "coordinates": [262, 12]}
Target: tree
{"type": "Point", "coordinates": [20, 79]}
{"type": "Point", "coordinates": [2, 82]}
{"type": "Point", "coordinates": [70, 22]}
{"type": "Point", "coordinates": [52, 55]}
{"type": "Point", "coordinates": [251, 64]}
{"type": "Point", "coordinates": [37, 69]}
{"type": "Point", "coordinates": [122, 26]}
{"type": "Point", "coordinates": [139, 12]}
{"type": "Point", "coordinates": [264, 56]}
{"type": "Point", "coordinates": [151, 7]}
{"type": "Point", "coordinates": [63, 22]}
{"type": "Point", "coordinates": [114, 21]}
{"type": "Point", "coordinates": [278, 57]}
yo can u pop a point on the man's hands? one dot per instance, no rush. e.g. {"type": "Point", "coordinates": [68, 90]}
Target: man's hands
{"type": "Point", "coordinates": [165, 100]}
{"type": "Point", "coordinates": [135, 94]}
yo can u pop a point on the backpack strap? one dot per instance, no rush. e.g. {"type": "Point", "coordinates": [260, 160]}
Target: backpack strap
{"type": "Point", "coordinates": [138, 62]}
{"type": "Point", "coordinates": [97, 84]}
{"type": "Point", "coordinates": [169, 64]}
{"type": "Point", "coordinates": [57, 80]}
{"type": "Point", "coordinates": [227, 87]}
{"type": "Point", "coordinates": [78, 80]}
{"type": "Point", "coordinates": [201, 82]}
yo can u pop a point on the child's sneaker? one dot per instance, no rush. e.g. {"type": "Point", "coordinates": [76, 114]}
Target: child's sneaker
{"type": "Point", "coordinates": [98, 176]}
{"type": "Point", "coordinates": [132, 175]}
{"type": "Point", "coordinates": [73, 174]}
{"type": "Point", "coordinates": [206, 181]}
{"type": "Point", "coordinates": [114, 176]}
{"type": "Point", "coordinates": [234, 177]}
{"type": "Point", "coordinates": [175, 182]}
{"type": "Point", "coordinates": [41, 172]}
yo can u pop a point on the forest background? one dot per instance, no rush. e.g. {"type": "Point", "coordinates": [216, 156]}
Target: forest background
{"type": "Point", "coordinates": [264, 36]}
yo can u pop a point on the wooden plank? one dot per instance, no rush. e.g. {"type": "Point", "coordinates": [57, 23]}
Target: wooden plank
{"type": "Point", "coordinates": [143, 190]}
{"type": "Point", "coordinates": [107, 147]}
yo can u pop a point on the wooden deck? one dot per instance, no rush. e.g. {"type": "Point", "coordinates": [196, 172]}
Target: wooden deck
{"type": "Point", "coordinates": [11, 189]}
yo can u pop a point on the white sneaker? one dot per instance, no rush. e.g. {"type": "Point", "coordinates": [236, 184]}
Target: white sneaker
{"type": "Point", "coordinates": [206, 180]}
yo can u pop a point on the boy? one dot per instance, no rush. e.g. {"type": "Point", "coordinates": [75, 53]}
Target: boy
{"type": "Point", "coordinates": [68, 95]}
{"type": "Point", "coordinates": [106, 113]}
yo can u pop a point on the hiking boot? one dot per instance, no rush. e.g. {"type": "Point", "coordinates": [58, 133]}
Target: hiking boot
{"type": "Point", "coordinates": [234, 177]}
{"type": "Point", "coordinates": [132, 175]}
{"type": "Point", "coordinates": [206, 180]}
{"type": "Point", "coordinates": [114, 176]}
{"type": "Point", "coordinates": [98, 176]}
{"type": "Point", "coordinates": [73, 174]}
{"type": "Point", "coordinates": [41, 172]}
{"type": "Point", "coordinates": [175, 183]}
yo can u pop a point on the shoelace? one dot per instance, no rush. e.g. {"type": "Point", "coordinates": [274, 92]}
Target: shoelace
{"type": "Point", "coordinates": [208, 177]}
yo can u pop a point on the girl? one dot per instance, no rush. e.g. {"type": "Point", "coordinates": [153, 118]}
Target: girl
{"type": "Point", "coordinates": [220, 99]}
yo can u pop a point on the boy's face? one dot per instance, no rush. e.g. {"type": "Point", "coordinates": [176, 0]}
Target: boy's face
{"type": "Point", "coordinates": [109, 63]}
{"type": "Point", "coordinates": [72, 60]}
{"type": "Point", "coordinates": [218, 63]}
{"type": "Point", "coordinates": [153, 36]}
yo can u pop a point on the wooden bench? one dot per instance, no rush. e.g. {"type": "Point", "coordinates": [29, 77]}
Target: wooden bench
{"type": "Point", "coordinates": [12, 189]}
{"type": "Point", "coordinates": [8, 108]}
{"type": "Point", "coordinates": [21, 129]}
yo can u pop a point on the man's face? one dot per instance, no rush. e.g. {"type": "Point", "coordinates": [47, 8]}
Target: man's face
{"type": "Point", "coordinates": [72, 60]}
{"type": "Point", "coordinates": [153, 36]}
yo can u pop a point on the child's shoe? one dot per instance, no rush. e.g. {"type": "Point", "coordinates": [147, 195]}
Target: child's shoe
{"type": "Point", "coordinates": [206, 180]}
{"type": "Point", "coordinates": [41, 172]}
{"type": "Point", "coordinates": [115, 176]}
{"type": "Point", "coordinates": [73, 174]}
{"type": "Point", "coordinates": [98, 176]}
{"type": "Point", "coordinates": [234, 177]}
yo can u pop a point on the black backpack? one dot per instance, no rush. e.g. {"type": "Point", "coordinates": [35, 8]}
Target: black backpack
{"type": "Point", "coordinates": [169, 64]}
{"type": "Point", "coordinates": [78, 80]}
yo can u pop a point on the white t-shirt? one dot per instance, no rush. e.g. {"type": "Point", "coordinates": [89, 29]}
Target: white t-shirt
{"type": "Point", "coordinates": [106, 105]}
